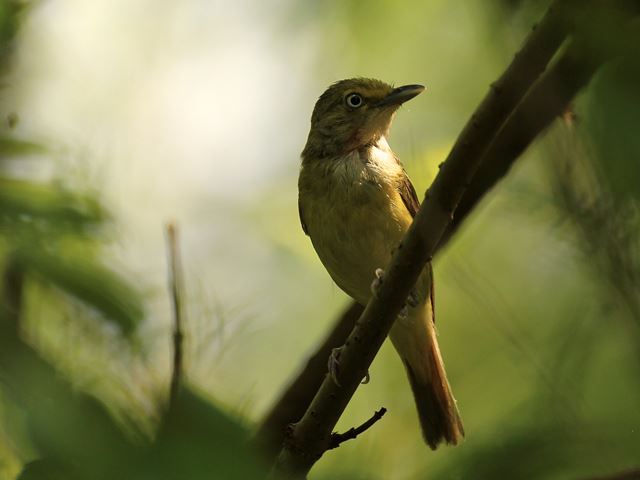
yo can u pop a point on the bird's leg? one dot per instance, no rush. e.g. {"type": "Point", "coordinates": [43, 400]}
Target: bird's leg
{"type": "Point", "coordinates": [413, 300]}
{"type": "Point", "coordinates": [377, 282]}
{"type": "Point", "coordinates": [334, 363]}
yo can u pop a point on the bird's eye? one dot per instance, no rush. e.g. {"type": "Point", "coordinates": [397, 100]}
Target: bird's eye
{"type": "Point", "coordinates": [354, 100]}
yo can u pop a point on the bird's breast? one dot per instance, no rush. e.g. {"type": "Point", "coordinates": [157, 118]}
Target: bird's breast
{"type": "Point", "coordinates": [355, 218]}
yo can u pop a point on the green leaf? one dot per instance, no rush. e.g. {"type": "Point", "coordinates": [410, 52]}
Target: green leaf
{"type": "Point", "coordinates": [21, 198]}
{"type": "Point", "coordinates": [12, 146]}
{"type": "Point", "coordinates": [86, 279]}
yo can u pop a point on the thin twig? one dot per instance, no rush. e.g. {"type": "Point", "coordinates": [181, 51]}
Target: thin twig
{"type": "Point", "coordinates": [338, 438]}
{"type": "Point", "coordinates": [175, 284]}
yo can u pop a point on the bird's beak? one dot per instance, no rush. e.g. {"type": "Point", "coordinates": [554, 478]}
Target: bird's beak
{"type": "Point", "coordinates": [400, 95]}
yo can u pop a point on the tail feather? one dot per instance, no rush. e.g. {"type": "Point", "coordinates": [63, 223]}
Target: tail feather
{"type": "Point", "coordinates": [439, 417]}
{"type": "Point", "coordinates": [416, 342]}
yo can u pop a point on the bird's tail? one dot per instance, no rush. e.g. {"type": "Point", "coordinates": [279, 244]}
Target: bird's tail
{"type": "Point", "coordinates": [417, 345]}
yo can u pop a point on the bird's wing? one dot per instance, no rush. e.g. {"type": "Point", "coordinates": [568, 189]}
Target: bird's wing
{"type": "Point", "coordinates": [408, 195]}
{"type": "Point", "coordinates": [304, 227]}
{"type": "Point", "coordinates": [410, 200]}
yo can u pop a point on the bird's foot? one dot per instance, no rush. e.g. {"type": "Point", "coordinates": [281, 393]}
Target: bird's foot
{"type": "Point", "coordinates": [334, 363]}
{"type": "Point", "coordinates": [377, 282]}
{"type": "Point", "coordinates": [413, 300]}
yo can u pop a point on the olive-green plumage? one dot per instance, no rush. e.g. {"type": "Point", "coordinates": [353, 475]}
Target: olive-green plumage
{"type": "Point", "coordinates": [356, 202]}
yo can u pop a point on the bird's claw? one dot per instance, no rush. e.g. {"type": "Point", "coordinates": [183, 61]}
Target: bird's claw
{"type": "Point", "coordinates": [377, 282]}
{"type": "Point", "coordinates": [413, 300]}
{"type": "Point", "coordinates": [333, 363]}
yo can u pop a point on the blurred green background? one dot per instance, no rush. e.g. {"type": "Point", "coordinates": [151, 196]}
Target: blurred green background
{"type": "Point", "coordinates": [121, 115]}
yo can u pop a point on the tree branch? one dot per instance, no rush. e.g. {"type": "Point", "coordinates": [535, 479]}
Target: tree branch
{"type": "Point", "coordinates": [547, 38]}
{"type": "Point", "coordinates": [310, 437]}
{"type": "Point", "coordinates": [339, 438]}
{"type": "Point", "coordinates": [175, 283]}
{"type": "Point", "coordinates": [548, 99]}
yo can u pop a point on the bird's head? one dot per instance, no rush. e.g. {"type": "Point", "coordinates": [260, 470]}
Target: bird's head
{"type": "Point", "coordinates": [353, 113]}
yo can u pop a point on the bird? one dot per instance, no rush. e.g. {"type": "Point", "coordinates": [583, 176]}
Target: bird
{"type": "Point", "coordinates": [356, 202]}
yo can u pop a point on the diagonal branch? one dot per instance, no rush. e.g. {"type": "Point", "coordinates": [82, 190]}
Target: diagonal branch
{"type": "Point", "coordinates": [310, 437]}
{"type": "Point", "coordinates": [548, 99]}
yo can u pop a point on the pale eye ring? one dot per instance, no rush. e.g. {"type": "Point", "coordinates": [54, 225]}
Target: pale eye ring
{"type": "Point", "coordinates": [354, 100]}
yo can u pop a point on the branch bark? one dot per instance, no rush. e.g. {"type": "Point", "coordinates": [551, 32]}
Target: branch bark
{"type": "Point", "coordinates": [310, 437]}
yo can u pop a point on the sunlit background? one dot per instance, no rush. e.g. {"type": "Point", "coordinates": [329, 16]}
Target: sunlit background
{"type": "Point", "coordinates": [195, 112]}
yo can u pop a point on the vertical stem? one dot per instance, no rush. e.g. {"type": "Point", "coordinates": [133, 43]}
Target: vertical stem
{"type": "Point", "coordinates": [175, 285]}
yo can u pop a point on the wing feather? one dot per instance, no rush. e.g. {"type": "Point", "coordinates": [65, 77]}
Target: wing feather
{"type": "Point", "coordinates": [410, 200]}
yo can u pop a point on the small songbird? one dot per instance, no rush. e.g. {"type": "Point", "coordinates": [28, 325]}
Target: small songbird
{"type": "Point", "coordinates": [356, 203]}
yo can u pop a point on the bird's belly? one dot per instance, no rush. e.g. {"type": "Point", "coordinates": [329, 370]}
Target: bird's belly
{"type": "Point", "coordinates": [353, 240]}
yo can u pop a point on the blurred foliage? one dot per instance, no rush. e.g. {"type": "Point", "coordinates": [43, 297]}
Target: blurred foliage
{"type": "Point", "coordinates": [10, 12]}
{"type": "Point", "coordinates": [28, 202]}
{"type": "Point", "coordinates": [612, 120]}
{"type": "Point", "coordinates": [86, 280]}
{"type": "Point", "coordinates": [50, 234]}
{"type": "Point", "coordinates": [77, 437]}
{"type": "Point", "coordinates": [538, 295]}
